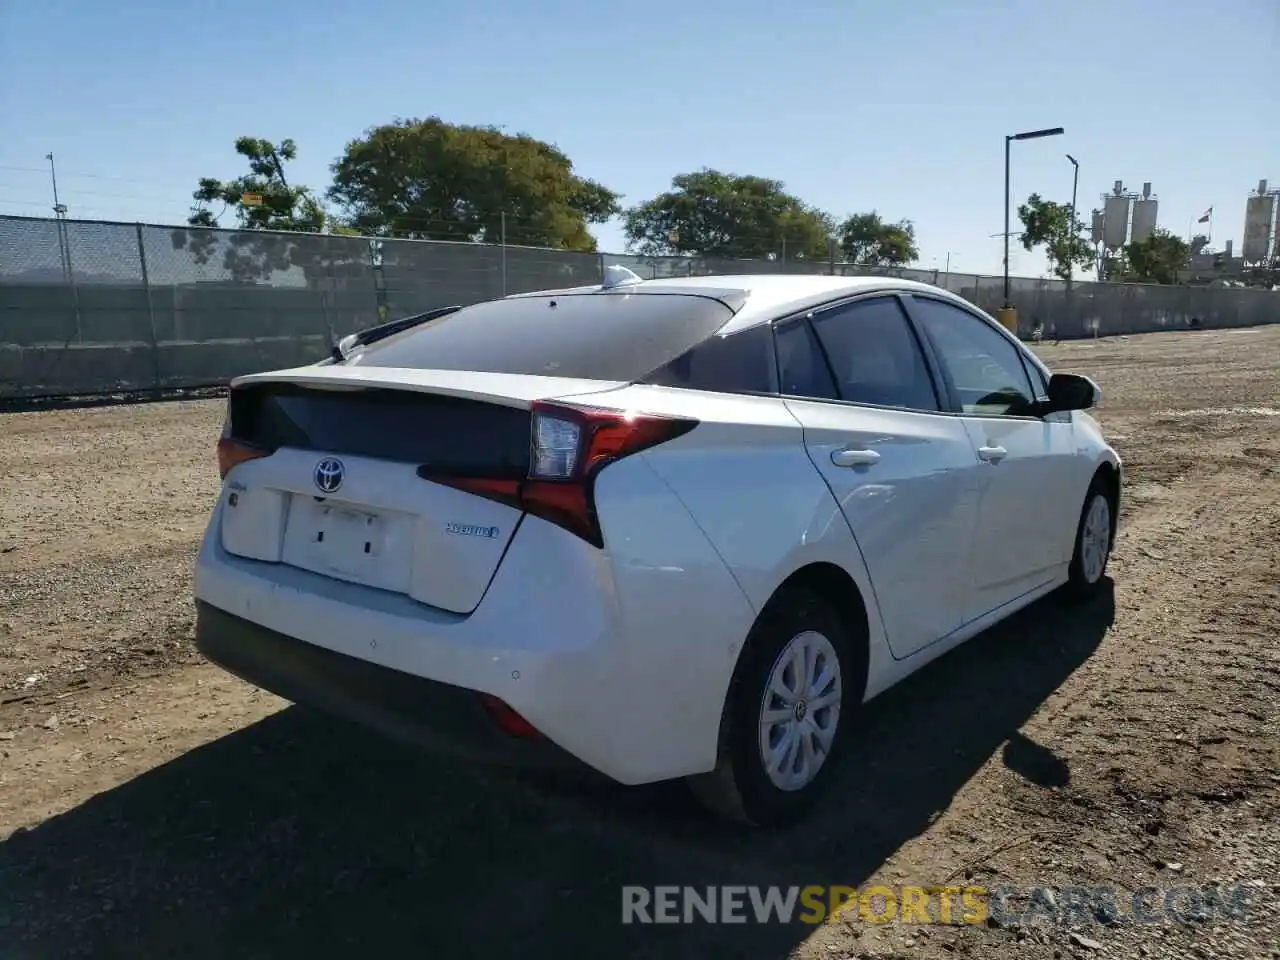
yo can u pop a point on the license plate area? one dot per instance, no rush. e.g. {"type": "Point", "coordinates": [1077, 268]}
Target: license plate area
{"type": "Point", "coordinates": [341, 541]}
{"type": "Point", "coordinates": [347, 541]}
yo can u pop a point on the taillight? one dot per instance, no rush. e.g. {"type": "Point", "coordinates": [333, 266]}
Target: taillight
{"type": "Point", "coordinates": [231, 451]}
{"type": "Point", "coordinates": [569, 446]}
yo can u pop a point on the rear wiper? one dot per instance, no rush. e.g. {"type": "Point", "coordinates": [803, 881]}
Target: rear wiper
{"type": "Point", "coordinates": [383, 330]}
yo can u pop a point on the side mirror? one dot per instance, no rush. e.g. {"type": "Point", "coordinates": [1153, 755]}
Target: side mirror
{"type": "Point", "coordinates": [1070, 391]}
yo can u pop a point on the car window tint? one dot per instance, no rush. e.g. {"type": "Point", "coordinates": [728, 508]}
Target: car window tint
{"type": "Point", "coordinates": [984, 366]}
{"type": "Point", "coordinates": [802, 371]}
{"type": "Point", "coordinates": [595, 336]}
{"type": "Point", "coordinates": [737, 363]}
{"type": "Point", "coordinates": [875, 355]}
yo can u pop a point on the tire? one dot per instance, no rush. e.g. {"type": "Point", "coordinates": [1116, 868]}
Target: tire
{"type": "Point", "coordinates": [740, 788]}
{"type": "Point", "coordinates": [1095, 534]}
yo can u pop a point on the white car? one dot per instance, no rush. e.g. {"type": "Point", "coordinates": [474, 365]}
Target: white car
{"type": "Point", "coordinates": [662, 529]}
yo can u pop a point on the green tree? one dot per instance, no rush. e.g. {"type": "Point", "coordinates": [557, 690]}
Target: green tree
{"type": "Point", "coordinates": [281, 206]}
{"type": "Point", "coordinates": [1049, 224]}
{"type": "Point", "coordinates": [274, 204]}
{"type": "Point", "coordinates": [866, 239]}
{"type": "Point", "coordinates": [709, 213]}
{"type": "Point", "coordinates": [1157, 259]}
{"type": "Point", "coordinates": [432, 180]}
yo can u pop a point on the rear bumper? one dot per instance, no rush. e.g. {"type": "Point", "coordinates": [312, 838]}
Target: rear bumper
{"type": "Point", "coordinates": [425, 713]}
{"type": "Point", "coordinates": [619, 657]}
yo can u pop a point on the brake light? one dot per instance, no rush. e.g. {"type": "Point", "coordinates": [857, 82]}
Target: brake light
{"type": "Point", "coordinates": [569, 446]}
{"type": "Point", "coordinates": [231, 451]}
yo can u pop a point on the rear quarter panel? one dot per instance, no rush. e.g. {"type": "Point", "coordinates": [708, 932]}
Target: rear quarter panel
{"type": "Point", "coordinates": [745, 477]}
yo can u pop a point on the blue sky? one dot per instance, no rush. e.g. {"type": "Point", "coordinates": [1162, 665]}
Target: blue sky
{"type": "Point", "coordinates": [897, 107]}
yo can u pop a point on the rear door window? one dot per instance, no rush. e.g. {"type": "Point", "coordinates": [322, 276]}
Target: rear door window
{"type": "Point", "coordinates": [802, 370]}
{"type": "Point", "coordinates": [875, 355]}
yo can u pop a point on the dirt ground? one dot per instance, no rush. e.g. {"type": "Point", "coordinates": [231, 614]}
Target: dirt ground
{"type": "Point", "coordinates": [152, 806]}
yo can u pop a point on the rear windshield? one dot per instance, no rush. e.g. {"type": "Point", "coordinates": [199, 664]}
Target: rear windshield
{"type": "Point", "coordinates": [596, 336]}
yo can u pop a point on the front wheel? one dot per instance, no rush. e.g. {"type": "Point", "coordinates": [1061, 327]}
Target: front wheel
{"type": "Point", "coordinates": [1094, 535]}
{"type": "Point", "coordinates": [787, 713]}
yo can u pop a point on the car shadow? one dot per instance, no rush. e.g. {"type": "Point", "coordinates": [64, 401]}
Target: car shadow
{"type": "Point", "coordinates": [301, 836]}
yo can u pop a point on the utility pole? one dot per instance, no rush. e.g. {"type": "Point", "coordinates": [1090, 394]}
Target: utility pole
{"type": "Point", "coordinates": [502, 239]}
{"type": "Point", "coordinates": [64, 245]}
{"type": "Point", "coordinates": [60, 212]}
{"type": "Point", "coordinates": [58, 208]}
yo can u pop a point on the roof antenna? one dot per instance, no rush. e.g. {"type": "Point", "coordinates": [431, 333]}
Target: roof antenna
{"type": "Point", "coordinates": [618, 276]}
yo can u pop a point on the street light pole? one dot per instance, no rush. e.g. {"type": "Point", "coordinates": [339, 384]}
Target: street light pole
{"type": "Point", "coordinates": [1007, 315]}
{"type": "Point", "coordinates": [1007, 142]}
{"type": "Point", "coordinates": [1075, 182]}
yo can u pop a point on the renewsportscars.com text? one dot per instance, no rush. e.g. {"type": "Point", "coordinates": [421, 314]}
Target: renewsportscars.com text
{"type": "Point", "coordinates": [935, 904]}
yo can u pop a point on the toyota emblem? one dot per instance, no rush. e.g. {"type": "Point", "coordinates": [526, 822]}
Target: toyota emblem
{"type": "Point", "coordinates": [328, 474]}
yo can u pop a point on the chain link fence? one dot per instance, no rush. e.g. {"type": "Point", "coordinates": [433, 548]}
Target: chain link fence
{"type": "Point", "coordinates": [88, 307]}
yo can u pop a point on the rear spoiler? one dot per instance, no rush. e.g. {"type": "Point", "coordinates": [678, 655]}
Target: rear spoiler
{"type": "Point", "coordinates": [504, 389]}
{"type": "Point", "coordinates": [370, 335]}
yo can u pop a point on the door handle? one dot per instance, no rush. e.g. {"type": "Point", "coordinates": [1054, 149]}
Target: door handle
{"type": "Point", "coordinates": [853, 457]}
{"type": "Point", "coordinates": [992, 454]}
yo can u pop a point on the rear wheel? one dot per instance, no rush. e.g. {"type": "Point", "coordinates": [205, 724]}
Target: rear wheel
{"type": "Point", "coordinates": [787, 713]}
{"type": "Point", "coordinates": [1094, 535]}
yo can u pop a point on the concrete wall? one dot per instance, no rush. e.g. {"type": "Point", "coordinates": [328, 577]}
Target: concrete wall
{"type": "Point", "coordinates": [56, 341]}
{"type": "Point", "coordinates": [216, 304]}
{"type": "Point", "coordinates": [1108, 309]}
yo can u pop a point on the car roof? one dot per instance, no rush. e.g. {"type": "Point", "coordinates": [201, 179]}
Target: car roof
{"type": "Point", "coordinates": [762, 297]}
